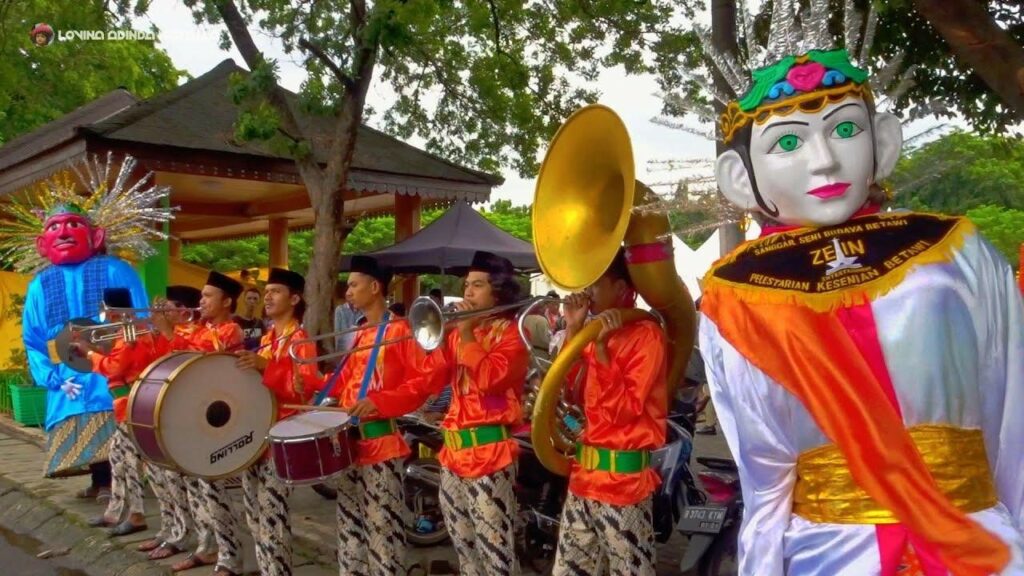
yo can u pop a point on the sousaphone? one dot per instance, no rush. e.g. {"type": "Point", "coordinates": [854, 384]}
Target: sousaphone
{"type": "Point", "coordinates": [582, 213]}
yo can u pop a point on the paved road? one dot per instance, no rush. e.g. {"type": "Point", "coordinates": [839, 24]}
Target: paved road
{"type": "Point", "coordinates": [18, 552]}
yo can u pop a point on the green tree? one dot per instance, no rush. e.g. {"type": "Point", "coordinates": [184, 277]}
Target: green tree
{"type": "Point", "coordinates": [981, 84]}
{"type": "Point", "coordinates": [961, 171]}
{"type": "Point", "coordinates": [1003, 227]}
{"type": "Point", "coordinates": [483, 82]}
{"type": "Point", "coordinates": [41, 83]}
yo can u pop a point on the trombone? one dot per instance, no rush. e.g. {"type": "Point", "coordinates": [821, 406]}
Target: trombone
{"type": "Point", "coordinates": [428, 322]}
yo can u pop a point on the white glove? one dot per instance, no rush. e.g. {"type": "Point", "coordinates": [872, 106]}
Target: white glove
{"type": "Point", "coordinates": [71, 389]}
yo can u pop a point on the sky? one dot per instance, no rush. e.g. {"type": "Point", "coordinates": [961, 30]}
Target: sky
{"type": "Point", "coordinates": [195, 49]}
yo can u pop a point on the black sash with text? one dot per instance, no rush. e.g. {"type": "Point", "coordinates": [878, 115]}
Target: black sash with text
{"type": "Point", "coordinates": [830, 259]}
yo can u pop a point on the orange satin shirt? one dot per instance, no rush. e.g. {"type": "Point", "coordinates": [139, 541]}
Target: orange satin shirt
{"type": "Point", "coordinates": [282, 373]}
{"type": "Point", "coordinates": [123, 366]}
{"type": "Point", "coordinates": [208, 337]}
{"type": "Point", "coordinates": [487, 378]}
{"type": "Point", "coordinates": [396, 364]}
{"type": "Point", "coordinates": [625, 404]}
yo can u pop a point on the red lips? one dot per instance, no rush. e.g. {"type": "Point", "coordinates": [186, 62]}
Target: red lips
{"type": "Point", "coordinates": [830, 190]}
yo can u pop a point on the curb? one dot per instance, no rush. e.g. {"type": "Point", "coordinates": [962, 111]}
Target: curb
{"type": "Point", "coordinates": [97, 554]}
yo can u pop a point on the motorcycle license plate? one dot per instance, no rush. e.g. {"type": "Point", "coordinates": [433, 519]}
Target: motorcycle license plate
{"type": "Point", "coordinates": [706, 519]}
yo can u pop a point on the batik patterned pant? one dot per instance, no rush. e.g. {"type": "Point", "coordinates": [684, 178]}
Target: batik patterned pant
{"type": "Point", "coordinates": [599, 538]}
{"type": "Point", "coordinates": [126, 478]}
{"type": "Point", "coordinates": [266, 511]}
{"type": "Point", "coordinates": [371, 520]}
{"type": "Point", "coordinates": [480, 515]}
{"type": "Point", "coordinates": [175, 517]}
{"type": "Point", "coordinates": [198, 506]}
{"type": "Point", "coordinates": [224, 523]}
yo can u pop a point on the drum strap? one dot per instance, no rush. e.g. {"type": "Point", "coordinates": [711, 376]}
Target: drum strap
{"type": "Point", "coordinates": [329, 388]}
{"type": "Point", "coordinates": [371, 366]}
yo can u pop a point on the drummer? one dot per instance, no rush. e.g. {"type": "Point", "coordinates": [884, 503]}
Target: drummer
{"type": "Point", "coordinates": [371, 511]}
{"type": "Point", "coordinates": [216, 333]}
{"type": "Point", "coordinates": [176, 516]}
{"type": "Point", "coordinates": [125, 513]}
{"type": "Point", "coordinates": [486, 362]}
{"type": "Point", "coordinates": [266, 497]}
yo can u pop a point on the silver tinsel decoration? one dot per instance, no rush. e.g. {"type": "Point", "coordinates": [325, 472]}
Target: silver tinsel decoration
{"type": "Point", "coordinates": [132, 214]}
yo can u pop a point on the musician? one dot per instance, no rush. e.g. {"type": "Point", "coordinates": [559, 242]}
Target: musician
{"type": "Point", "coordinates": [266, 497]}
{"type": "Point", "coordinates": [121, 367]}
{"type": "Point", "coordinates": [607, 521]}
{"type": "Point", "coordinates": [216, 333]}
{"type": "Point", "coordinates": [371, 521]}
{"type": "Point", "coordinates": [486, 362]}
{"type": "Point", "coordinates": [176, 517]}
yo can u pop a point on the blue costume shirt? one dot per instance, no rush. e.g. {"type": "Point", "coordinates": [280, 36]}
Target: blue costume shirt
{"type": "Point", "coordinates": [58, 294]}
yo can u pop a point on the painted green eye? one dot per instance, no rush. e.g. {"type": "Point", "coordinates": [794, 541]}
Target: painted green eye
{"type": "Point", "coordinates": [788, 143]}
{"type": "Point", "coordinates": [846, 130]}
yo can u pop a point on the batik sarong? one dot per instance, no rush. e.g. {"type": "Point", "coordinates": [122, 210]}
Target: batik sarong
{"type": "Point", "coordinates": [78, 441]}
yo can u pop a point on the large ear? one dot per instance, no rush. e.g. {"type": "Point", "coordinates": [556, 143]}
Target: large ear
{"type": "Point", "coordinates": [99, 235]}
{"type": "Point", "coordinates": [734, 182]}
{"type": "Point", "coordinates": [41, 246]}
{"type": "Point", "coordinates": [888, 144]}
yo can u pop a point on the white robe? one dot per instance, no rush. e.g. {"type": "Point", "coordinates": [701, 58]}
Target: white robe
{"type": "Point", "coordinates": [953, 340]}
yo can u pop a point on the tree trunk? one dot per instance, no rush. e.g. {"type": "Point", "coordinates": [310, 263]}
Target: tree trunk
{"type": "Point", "coordinates": [723, 37]}
{"type": "Point", "coordinates": [978, 41]}
{"type": "Point", "coordinates": [325, 185]}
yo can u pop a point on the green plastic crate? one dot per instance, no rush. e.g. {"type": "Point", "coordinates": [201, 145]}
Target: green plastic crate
{"type": "Point", "coordinates": [29, 404]}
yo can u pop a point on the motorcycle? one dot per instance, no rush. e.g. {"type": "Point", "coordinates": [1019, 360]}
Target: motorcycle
{"type": "Point", "coordinates": [713, 528]}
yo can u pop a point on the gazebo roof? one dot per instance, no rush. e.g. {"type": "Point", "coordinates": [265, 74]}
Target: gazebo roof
{"type": "Point", "coordinates": [225, 187]}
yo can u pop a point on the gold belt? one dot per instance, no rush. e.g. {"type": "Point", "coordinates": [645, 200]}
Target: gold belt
{"type": "Point", "coordinates": [826, 492]}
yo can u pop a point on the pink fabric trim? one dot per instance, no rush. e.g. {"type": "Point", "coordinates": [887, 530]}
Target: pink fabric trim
{"type": "Point", "coordinates": [645, 253]}
{"type": "Point", "coordinates": [892, 538]}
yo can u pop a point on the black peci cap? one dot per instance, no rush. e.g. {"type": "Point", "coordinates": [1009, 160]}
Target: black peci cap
{"type": "Point", "coordinates": [232, 288]}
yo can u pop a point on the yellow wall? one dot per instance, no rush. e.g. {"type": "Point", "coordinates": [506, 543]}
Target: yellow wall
{"type": "Point", "coordinates": [11, 284]}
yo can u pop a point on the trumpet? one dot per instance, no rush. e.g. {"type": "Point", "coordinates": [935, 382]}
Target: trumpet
{"type": "Point", "coordinates": [128, 328]}
{"type": "Point", "coordinates": [105, 311]}
{"type": "Point", "coordinates": [429, 324]}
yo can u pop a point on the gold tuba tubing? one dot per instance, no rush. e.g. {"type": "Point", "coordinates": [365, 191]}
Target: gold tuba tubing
{"type": "Point", "coordinates": [660, 286]}
{"type": "Point", "coordinates": [582, 212]}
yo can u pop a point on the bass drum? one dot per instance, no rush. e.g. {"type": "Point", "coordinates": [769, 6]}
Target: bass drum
{"type": "Point", "coordinates": [200, 415]}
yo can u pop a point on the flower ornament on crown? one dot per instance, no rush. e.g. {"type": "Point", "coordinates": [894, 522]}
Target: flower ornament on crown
{"type": "Point", "coordinates": [807, 83]}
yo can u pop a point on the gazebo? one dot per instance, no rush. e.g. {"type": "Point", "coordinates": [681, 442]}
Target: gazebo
{"type": "Point", "coordinates": [229, 189]}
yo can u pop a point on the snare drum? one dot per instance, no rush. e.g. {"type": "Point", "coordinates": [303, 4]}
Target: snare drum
{"type": "Point", "coordinates": [312, 447]}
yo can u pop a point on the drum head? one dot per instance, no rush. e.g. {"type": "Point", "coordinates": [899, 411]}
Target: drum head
{"type": "Point", "coordinates": [308, 424]}
{"type": "Point", "coordinates": [213, 418]}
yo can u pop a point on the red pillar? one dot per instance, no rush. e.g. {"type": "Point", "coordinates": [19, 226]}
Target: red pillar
{"type": "Point", "coordinates": [407, 223]}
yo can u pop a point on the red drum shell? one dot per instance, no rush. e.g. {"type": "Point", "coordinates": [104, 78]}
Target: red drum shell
{"type": "Point", "coordinates": [311, 447]}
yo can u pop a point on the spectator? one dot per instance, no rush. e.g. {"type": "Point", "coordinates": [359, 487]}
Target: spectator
{"type": "Point", "coordinates": [553, 313]}
{"type": "Point", "coordinates": [345, 317]}
{"type": "Point", "coordinates": [437, 296]}
{"type": "Point", "coordinates": [249, 320]}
